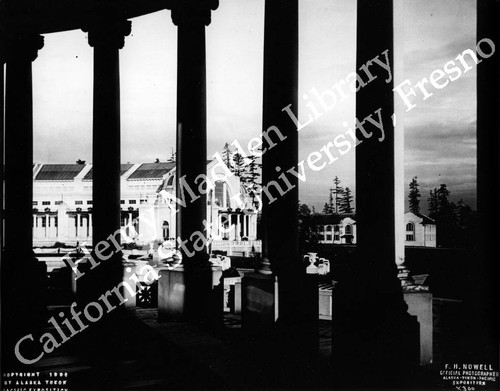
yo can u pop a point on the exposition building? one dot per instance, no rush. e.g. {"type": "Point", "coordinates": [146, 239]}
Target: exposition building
{"type": "Point", "coordinates": [62, 206]}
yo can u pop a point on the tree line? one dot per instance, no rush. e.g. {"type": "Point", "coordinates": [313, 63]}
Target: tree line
{"type": "Point", "coordinates": [339, 199]}
{"type": "Point", "coordinates": [456, 224]}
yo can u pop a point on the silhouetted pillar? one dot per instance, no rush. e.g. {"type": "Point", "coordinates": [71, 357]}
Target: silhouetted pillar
{"type": "Point", "coordinates": [191, 17]}
{"type": "Point", "coordinates": [280, 214]}
{"type": "Point", "coordinates": [199, 302]}
{"type": "Point", "coordinates": [372, 333]}
{"type": "Point", "coordinates": [106, 36]}
{"type": "Point", "coordinates": [2, 91]}
{"type": "Point", "coordinates": [22, 276]}
{"type": "Point", "coordinates": [488, 177]}
{"type": "Point", "coordinates": [295, 297]}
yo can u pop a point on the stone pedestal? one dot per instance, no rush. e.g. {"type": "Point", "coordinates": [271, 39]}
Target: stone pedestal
{"type": "Point", "coordinates": [420, 305]}
{"type": "Point", "coordinates": [259, 295]}
{"type": "Point", "coordinates": [237, 298]}
{"type": "Point", "coordinates": [191, 294]}
{"type": "Point", "coordinates": [128, 272]}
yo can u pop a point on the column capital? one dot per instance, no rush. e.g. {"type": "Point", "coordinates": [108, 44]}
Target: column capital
{"type": "Point", "coordinates": [108, 32]}
{"type": "Point", "coordinates": [20, 46]}
{"type": "Point", "coordinates": [192, 11]}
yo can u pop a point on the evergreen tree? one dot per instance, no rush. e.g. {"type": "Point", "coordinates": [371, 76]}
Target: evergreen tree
{"type": "Point", "coordinates": [432, 203]}
{"type": "Point", "coordinates": [442, 197]}
{"type": "Point", "coordinates": [330, 207]}
{"type": "Point", "coordinates": [252, 171]}
{"type": "Point", "coordinates": [327, 209]}
{"type": "Point", "coordinates": [414, 196]}
{"type": "Point", "coordinates": [239, 165]}
{"type": "Point", "coordinates": [226, 156]}
{"type": "Point", "coordinates": [251, 178]}
{"type": "Point", "coordinates": [309, 235]}
{"type": "Point", "coordinates": [337, 192]}
{"type": "Point", "coordinates": [345, 201]}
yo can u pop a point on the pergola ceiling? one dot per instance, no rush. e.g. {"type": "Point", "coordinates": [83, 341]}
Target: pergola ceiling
{"type": "Point", "coordinates": [49, 16]}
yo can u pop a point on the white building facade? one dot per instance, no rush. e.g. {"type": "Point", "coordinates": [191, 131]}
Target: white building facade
{"type": "Point", "coordinates": [62, 206]}
{"type": "Point", "coordinates": [338, 229]}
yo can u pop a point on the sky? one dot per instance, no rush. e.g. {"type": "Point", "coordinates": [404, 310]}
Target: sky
{"type": "Point", "coordinates": [440, 144]}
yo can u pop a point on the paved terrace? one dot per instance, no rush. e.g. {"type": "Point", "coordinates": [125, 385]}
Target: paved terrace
{"type": "Point", "coordinates": [142, 354]}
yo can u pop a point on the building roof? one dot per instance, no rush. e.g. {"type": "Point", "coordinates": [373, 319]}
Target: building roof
{"type": "Point", "coordinates": [152, 170]}
{"type": "Point", "coordinates": [123, 169]}
{"type": "Point", "coordinates": [59, 172]}
{"type": "Point", "coordinates": [427, 219]}
{"type": "Point", "coordinates": [326, 219]}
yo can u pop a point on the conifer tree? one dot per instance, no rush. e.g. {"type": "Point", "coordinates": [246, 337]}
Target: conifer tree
{"type": "Point", "coordinates": [413, 196]}
{"type": "Point", "coordinates": [226, 156]}
{"type": "Point", "coordinates": [345, 201]}
{"type": "Point", "coordinates": [239, 165]}
{"type": "Point", "coordinates": [432, 203]}
{"type": "Point", "coordinates": [337, 192]}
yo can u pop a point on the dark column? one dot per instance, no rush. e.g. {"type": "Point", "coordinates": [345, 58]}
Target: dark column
{"type": "Point", "coordinates": [297, 293]}
{"type": "Point", "coordinates": [200, 301]}
{"type": "Point", "coordinates": [280, 213]}
{"type": "Point", "coordinates": [373, 336]}
{"type": "Point", "coordinates": [2, 102]}
{"type": "Point", "coordinates": [191, 17]}
{"type": "Point", "coordinates": [22, 294]}
{"type": "Point", "coordinates": [488, 180]}
{"type": "Point", "coordinates": [106, 36]}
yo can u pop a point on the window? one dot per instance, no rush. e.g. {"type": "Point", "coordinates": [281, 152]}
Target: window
{"type": "Point", "coordinates": [219, 194]}
{"type": "Point", "coordinates": [122, 202]}
{"type": "Point", "coordinates": [329, 236]}
{"type": "Point", "coordinates": [78, 202]}
{"type": "Point", "coordinates": [45, 202]}
{"type": "Point", "coordinates": [132, 202]}
{"type": "Point", "coordinates": [410, 232]}
{"type": "Point", "coordinates": [89, 202]}
{"type": "Point", "coordinates": [35, 203]}
{"type": "Point", "coordinates": [348, 229]}
{"type": "Point", "coordinates": [58, 203]}
{"type": "Point", "coordinates": [166, 230]}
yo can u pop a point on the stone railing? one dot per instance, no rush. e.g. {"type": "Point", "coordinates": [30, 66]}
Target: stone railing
{"type": "Point", "coordinates": [237, 247]}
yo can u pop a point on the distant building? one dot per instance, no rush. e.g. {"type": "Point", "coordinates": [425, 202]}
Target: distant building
{"type": "Point", "coordinates": [335, 228]}
{"type": "Point", "coordinates": [62, 206]}
{"type": "Point", "coordinates": [420, 230]}
{"type": "Point", "coordinates": [341, 229]}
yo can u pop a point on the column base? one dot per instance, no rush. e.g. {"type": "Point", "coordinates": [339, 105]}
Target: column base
{"type": "Point", "coordinates": [259, 295]}
{"type": "Point", "coordinates": [420, 305]}
{"type": "Point", "coordinates": [193, 294]}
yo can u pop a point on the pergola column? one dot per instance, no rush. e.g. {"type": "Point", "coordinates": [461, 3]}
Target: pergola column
{"type": "Point", "coordinates": [19, 145]}
{"type": "Point", "coordinates": [287, 301]}
{"type": "Point", "coordinates": [106, 36]}
{"type": "Point", "coordinates": [200, 301]}
{"type": "Point", "coordinates": [488, 182]}
{"type": "Point", "coordinates": [22, 292]}
{"type": "Point", "coordinates": [280, 239]}
{"type": "Point", "coordinates": [191, 17]}
{"type": "Point", "coordinates": [370, 296]}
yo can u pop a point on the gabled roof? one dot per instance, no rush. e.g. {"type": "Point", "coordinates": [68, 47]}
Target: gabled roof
{"type": "Point", "coordinates": [152, 170]}
{"type": "Point", "coordinates": [326, 219]}
{"type": "Point", "coordinates": [123, 169]}
{"type": "Point", "coordinates": [425, 219]}
{"type": "Point", "coordinates": [59, 172]}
